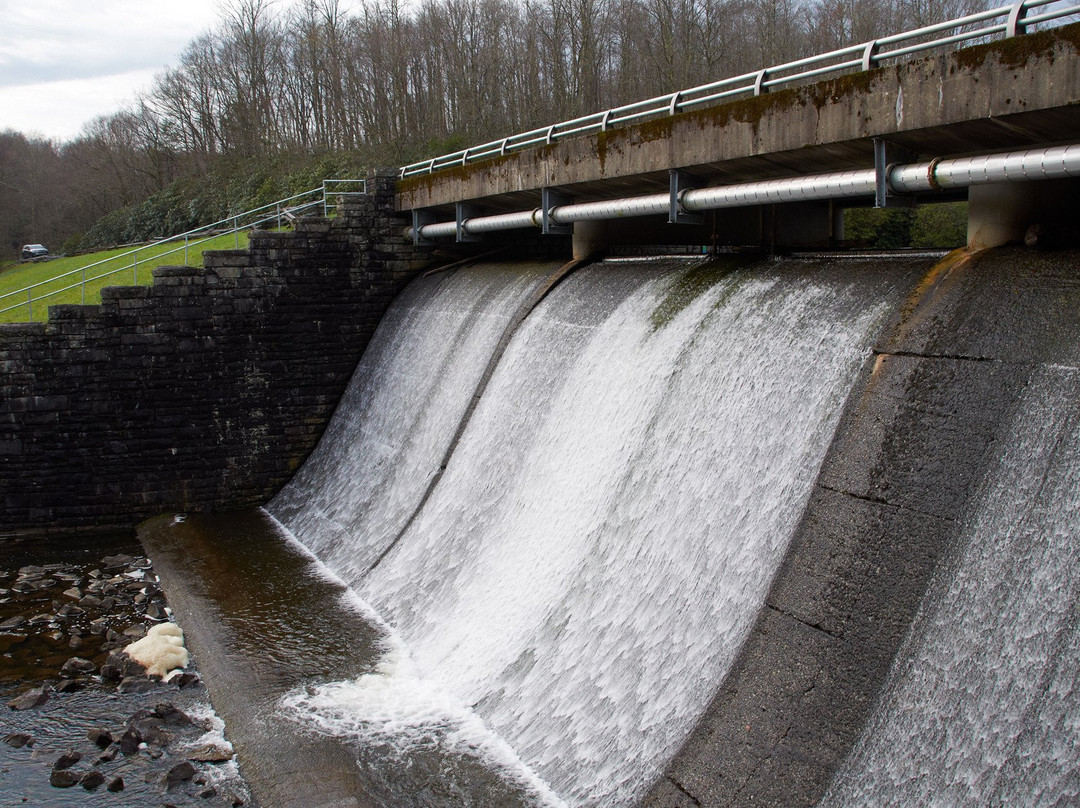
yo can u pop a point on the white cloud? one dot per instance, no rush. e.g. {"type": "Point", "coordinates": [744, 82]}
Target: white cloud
{"type": "Point", "coordinates": [59, 109]}
{"type": "Point", "coordinates": [64, 62]}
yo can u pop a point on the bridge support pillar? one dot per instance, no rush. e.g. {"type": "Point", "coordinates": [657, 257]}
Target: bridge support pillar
{"type": "Point", "coordinates": [1005, 212]}
{"type": "Point", "coordinates": [589, 240]}
{"type": "Point", "coordinates": [998, 214]}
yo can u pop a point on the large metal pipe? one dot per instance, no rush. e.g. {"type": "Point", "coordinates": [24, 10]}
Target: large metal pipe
{"type": "Point", "coordinates": [1054, 162]}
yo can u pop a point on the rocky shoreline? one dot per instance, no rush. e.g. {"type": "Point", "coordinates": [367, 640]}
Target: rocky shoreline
{"type": "Point", "coordinates": [81, 717]}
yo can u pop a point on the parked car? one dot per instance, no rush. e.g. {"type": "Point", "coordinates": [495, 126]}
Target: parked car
{"type": "Point", "coordinates": [34, 251]}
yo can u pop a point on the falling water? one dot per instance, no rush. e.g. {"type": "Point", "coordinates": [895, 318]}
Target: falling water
{"type": "Point", "coordinates": [399, 413]}
{"type": "Point", "coordinates": [983, 707]}
{"type": "Point", "coordinates": [607, 527]}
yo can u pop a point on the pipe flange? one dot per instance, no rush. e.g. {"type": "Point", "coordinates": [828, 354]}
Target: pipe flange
{"type": "Point", "coordinates": [931, 171]}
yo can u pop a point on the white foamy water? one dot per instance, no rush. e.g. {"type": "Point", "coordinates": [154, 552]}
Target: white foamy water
{"type": "Point", "coordinates": [385, 442]}
{"type": "Point", "coordinates": [606, 530]}
{"type": "Point", "coordinates": [983, 706]}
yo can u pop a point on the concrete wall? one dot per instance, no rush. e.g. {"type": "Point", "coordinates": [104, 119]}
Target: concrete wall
{"type": "Point", "coordinates": [916, 438]}
{"type": "Point", "coordinates": [205, 390]}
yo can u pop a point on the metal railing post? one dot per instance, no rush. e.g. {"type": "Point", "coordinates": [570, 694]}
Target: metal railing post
{"type": "Point", "coordinates": [186, 250]}
{"type": "Point", "coordinates": [236, 232]}
{"type": "Point", "coordinates": [84, 286]}
{"type": "Point", "coordinates": [135, 268]}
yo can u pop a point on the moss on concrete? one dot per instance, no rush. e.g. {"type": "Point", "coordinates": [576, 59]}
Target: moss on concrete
{"type": "Point", "coordinates": [692, 284]}
{"type": "Point", "coordinates": [1015, 52]}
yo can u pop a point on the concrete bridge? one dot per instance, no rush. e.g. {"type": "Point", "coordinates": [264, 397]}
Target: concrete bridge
{"type": "Point", "coordinates": [818, 146]}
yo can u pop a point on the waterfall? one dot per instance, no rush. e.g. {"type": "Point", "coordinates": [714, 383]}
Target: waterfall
{"type": "Point", "coordinates": [606, 529]}
{"type": "Point", "coordinates": [983, 703]}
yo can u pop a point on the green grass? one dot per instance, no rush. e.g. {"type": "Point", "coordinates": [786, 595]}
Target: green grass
{"type": "Point", "coordinates": [114, 271]}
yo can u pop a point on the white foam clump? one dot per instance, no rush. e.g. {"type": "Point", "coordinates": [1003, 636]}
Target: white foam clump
{"type": "Point", "coordinates": [161, 651]}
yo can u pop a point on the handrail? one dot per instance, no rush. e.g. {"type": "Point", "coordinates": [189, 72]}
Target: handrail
{"type": "Point", "coordinates": [866, 55]}
{"type": "Point", "coordinates": [325, 199]}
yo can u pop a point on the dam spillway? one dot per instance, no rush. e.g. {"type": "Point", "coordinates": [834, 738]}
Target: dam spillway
{"type": "Point", "coordinates": [607, 527]}
{"type": "Point", "coordinates": [711, 531]}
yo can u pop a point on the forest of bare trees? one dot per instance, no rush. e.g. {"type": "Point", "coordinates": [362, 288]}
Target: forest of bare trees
{"type": "Point", "coordinates": [275, 88]}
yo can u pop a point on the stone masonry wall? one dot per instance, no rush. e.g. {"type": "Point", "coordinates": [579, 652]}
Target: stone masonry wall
{"type": "Point", "coordinates": [203, 391]}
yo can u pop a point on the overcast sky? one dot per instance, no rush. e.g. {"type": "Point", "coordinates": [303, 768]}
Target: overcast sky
{"type": "Point", "coordinates": [64, 62]}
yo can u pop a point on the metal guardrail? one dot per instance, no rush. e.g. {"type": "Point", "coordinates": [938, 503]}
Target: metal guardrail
{"type": "Point", "coordinates": [1009, 20]}
{"type": "Point", "coordinates": [326, 199]}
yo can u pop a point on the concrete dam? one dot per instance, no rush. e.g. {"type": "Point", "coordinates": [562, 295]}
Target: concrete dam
{"type": "Point", "coordinates": [760, 522]}
{"type": "Point", "coordinates": [671, 532]}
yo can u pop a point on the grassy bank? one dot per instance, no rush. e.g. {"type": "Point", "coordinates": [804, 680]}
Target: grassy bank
{"type": "Point", "coordinates": [120, 267]}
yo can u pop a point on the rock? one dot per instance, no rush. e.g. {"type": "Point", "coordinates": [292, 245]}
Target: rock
{"type": "Point", "coordinates": [129, 742]}
{"type": "Point", "coordinates": [186, 680]}
{"type": "Point", "coordinates": [67, 760]}
{"type": "Point", "coordinates": [116, 784]}
{"type": "Point", "coordinates": [107, 603]}
{"type": "Point", "coordinates": [74, 593]}
{"type": "Point", "coordinates": [154, 753]}
{"type": "Point", "coordinates": [75, 643]}
{"type": "Point", "coordinates": [138, 716]}
{"type": "Point", "coordinates": [101, 738]}
{"type": "Point", "coordinates": [92, 779]}
{"type": "Point", "coordinates": [156, 612]}
{"type": "Point", "coordinates": [90, 602]}
{"type": "Point", "coordinates": [151, 731]}
{"type": "Point", "coordinates": [211, 753]}
{"type": "Point", "coordinates": [172, 716]}
{"type": "Point", "coordinates": [62, 778]}
{"type": "Point", "coordinates": [180, 773]}
{"type": "Point", "coordinates": [77, 666]}
{"type": "Point", "coordinates": [71, 685]}
{"type": "Point", "coordinates": [30, 699]}
{"type": "Point", "coordinates": [13, 622]}
{"type": "Point", "coordinates": [18, 740]}
{"type": "Point", "coordinates": [137, 631]}
{"type": "Point", "coordinates": [208, 792]}
{"type": "Point", "coordinates": [119, 665]}
{"type": "Point", "coordinates": [117, 561]}
{"type": "Point", "coordinates": [70, 610]}
{"type": "Point", "coordinates": [40, 619]}
{"type": "Point", "coordinates": [136, 684]}
{"type": "Point", "coordinates": [109, 755]}
{"type": "Point", "coordinates": [99, 626]}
